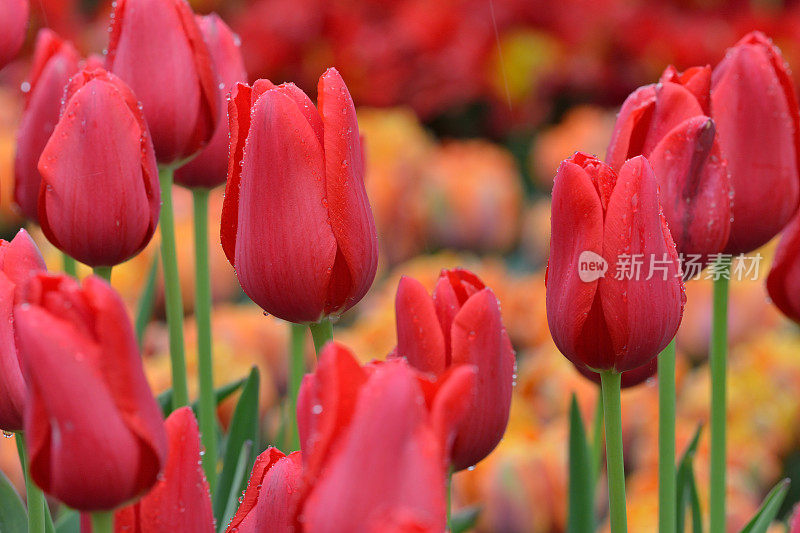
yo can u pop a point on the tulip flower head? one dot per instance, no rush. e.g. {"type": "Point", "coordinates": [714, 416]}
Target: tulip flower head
{"type": "Point", "coordinates": [13, 25]}
{"type": "Point", "coordinates": [210, 167]}
{"type": "Point", "coordinates": [94, 430]}
{"type": "Point", "coordinates": [19, 259]}
{"type": "Point", "coordinates": [296, 222]}
{"type": "Point", "coordinates": [99, 197]}
{"type": "Point", "coordinates": [669, 124]}
{"type": "Point", "coordinates": [179, 89]}
{"type": "Point", "coordinates": [604, 312]}
{"type": "Point", "coordinates": [460, 324]}
{"type": "Point", "coordinates": [55, 61]}
{"type": "Point", "coordinates": [754, 105]}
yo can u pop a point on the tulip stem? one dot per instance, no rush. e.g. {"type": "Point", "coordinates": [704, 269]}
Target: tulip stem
{"type": "Point", "coordinates": [34, 496]}
{"type": "Point", "coordinates": [666, 440]}
{"type": "Point", "coordinates": [597, 439]}
{"type": "Point", "coordinates": [70, 266]}
{"type": "Point", "coordinates": [103, 522]}
{"type": "Point", "coordinates": [611, 385]}
{"type": "Point", "coordinates": [172, 290]}
{"type": "Point", "coordinates": [322, 332]}
{"type": "Point", "coordinates": [449, 502]}
{"type": "Point", "coordinates": [202, 313]}
{"type": "Point", "coordinates": [296, 371]}
{"type": "Point", "coordinates": [103, 272]}
{"type": "Point", "coordinates": [718, 363]}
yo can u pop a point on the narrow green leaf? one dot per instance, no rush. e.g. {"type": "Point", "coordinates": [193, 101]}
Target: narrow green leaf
{"type": "Point", "coordinates": [694, 503]}
{"type": "Point", "coordinates": [222, 393]}
{"type": "Point", "coordinates": [239, 477]}
{"type": "Point", "coordinates": [684, 480]}
{"type": "Point", "coordinates": [244, 427]}
{"type": "Point", "coordinates": [465, 519]}
{"type": "Point", "coordinates": [49, 526]}
{"type": "Point", "coordinates": [13, 516]}
{"type": "Point", "coordinates": [769, 509]}
{"type": "Point", "coordinates": [69, 521]}
{"type": "Point", "coordinates": [580, 518]}
{"type": "Point", "coordinates": [147, 301]}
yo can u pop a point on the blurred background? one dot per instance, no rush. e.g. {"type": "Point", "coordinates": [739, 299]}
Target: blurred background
{"type": "Point", "coordinates": [467, 107]}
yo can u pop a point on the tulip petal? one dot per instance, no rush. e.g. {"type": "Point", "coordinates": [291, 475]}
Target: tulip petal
{"type": "Point", "coordinates": [642, 315]}
{"type": "Point", "coordinates": [284, 217]}
{"type": "Point", "coordinates": [12, 385]}
{"type": "Point", "coordinates": [451, 291]}
{"type": "Point", "coordinates": [20, 258]}
{"type": "Point", "coordinates": [783, 282]}
{"type": "Point", "coordinates": [348, 206]}
{"type": "Point", "coordinates": [419, 336]}
{"type": "Point", "coordinates": [306, 107]}
{"type": "Point", "coordinates": [448, 401]}
{"type": "Point", "coordinates": [673, 104]}
{"type": "Point", "coordinates": [630, 131]}
{"type": "Point", "coordinates": [14, 17]}
{"type": "Point", "coordinates": [697, 81]}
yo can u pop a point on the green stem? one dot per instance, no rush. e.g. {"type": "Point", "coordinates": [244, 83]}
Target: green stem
{"type": "Point", "coordinates": [322, 332]}
{"type": "Point", "coordinates": [296, 371]}
{"type": "Point", "coordinates": [103, 272]}
{"type": "Point", "coordinates": [147, 299]}
{"type": "Point", "coordinates": [666, 440]}
{"type": "Point", "coordinates": [34, 497]}
{"type": "Point", "coordinates": [597, 438]}
{"type": "Point", "coordinates": [103, 522]}
{"type": "Point", "coordinates": [202, 313]}
{"type": "Point", "coordinates": [70, 266]}
{"type": "Point", "coordinates": [449, 489]}
{"type": "Point", "coordinates": [718, 363]}
{"type": "Point", "coordinates": [611, 386]}
{"type": "Point", "coordinates": [172, 290]}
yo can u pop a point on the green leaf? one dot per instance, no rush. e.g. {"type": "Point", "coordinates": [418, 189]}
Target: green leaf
{"type": "Point", "coordinates": [694, 501]}
{"type": "Point", "coordinates": [243, 428]}
{"type": "Point", "coordinates": [49, 526]}
{"type": "Point", "coordinates": [13, 516]}
{"type": "Point", "coordinates": [769, 509]}
{"type": "Point", "coordinates": [69, 521]}
{"type": "Point", "coordinates": [580, 518]}
{"type": "Point", "coordinates": [222, 393]}
{"type": "Point", "coordinates": [465, 519]}
{"type": "Point", "coordinates": [685, 485]}
{"type": "Point", "coordinates": [240, 476]}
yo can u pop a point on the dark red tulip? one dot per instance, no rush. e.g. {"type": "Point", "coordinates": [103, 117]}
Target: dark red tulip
{"type": "Point", "coordinates": [19, 259]}
{"type": "Point", "coordinates": [99, 198]}
{"type": "Point", "coordinates": [783, 282]}
{"type": "Point", "coordinates": [307, 249]}
{"type": "Point", "coordinates": [669, 124]}
{"type": "Point", "coordinates": [629, 379]}
{"type": "Point", "coordinates": [95, 433]}
{"type": "Point", "coordinates": [180, 500]}
{"type": "Point", "coordinates": [13, 26]}
{"type": "Point", "coordinates": [179, 89]}
{"type": "Point", "coordinates": [269, 501]}
{"type": "Point", "coordinates": [55, 61]}
{"type": "Point", "coordinates": [461, 324]}
{"type": "Point", "coordinates": [374, 443]}
{"type": "Point", "coordinates": [754, 106]}
{"type": "Point", "coordinates": [210, 167]}
{"type": "Point", "coordinates": [602, 314]}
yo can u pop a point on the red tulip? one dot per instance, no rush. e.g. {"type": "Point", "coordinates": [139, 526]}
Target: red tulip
{"type": "Point", "coordinates": [18, 260]}
{"type": "Point", "coordinates": [13, 26]}
{"type": "Point", "coordinates": [307, 249]}
{"type": "Point", "coordinates": [99, 198]}
{"type": "Point", "coordinates": [754, 106]}
{"type": "Point", "coordinates": [95, 433]}
{"type": "Point", "coordinates": [269, 500]}
{"type": "Point", "coordinates": [55, 61]}
{"type": "Point", "coordinates": [178, 89]}
{"type": "Point", "coordinates": [180, 501]}
{"type": "Point", "coordinates": [669, 124]}
{"type": "Point", "coordinates": [615, 319]}
{"type": "Point", "coordinates": [783, 282]}
{"type": "Point", "coordinates": [210, 167]}
{"type": "Point", "coordinates": [374, 443]}
{"type": "Point", "coordinates": [461, 324]}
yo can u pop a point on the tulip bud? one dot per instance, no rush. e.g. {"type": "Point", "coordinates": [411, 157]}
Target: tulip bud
{"type": "Point", "coordinates": [783, 281]}
{"type": "Point", "coordinates": [18, 260]}
{"type": "Point", "coordinates": [604, 312]}
{"type": "Point", "coordinates": [754, 106]}
{"type": "Point", "coordinates": [99, 198]}
{"type": "Point", "coordinates": [668, 123]}
{"type": "Point", "coordinates": [55, 61]}
{"type": "Point", "coordinates": [307, 249]}
{"type": "Point", "coordinates": [180, 500]}
{"type": "Point", "coordinates": [461, 324]}
{"type": "Point", "coordinates": [179, 90]}
{"type": "Point", "coordinates": [269, 500]}
{"type": "Point", "coordinates": [13, 25]}
{"type": "Point", "coordinates": [210, 167]}
{"type": "Point", "coordinates": [95, 433]}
